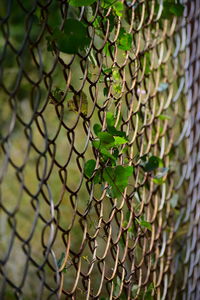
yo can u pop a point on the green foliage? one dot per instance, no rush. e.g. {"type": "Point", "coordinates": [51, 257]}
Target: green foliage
{"type": "Point", "coordinates": [164, 117]}
{"type": "Point", "coordinates": [151, 164]}
{"type": "Point", "coordinates": [172, 8]}
{"type": "Point", "coordinates": [107, 144]}
{"type": "Point", "coordinates": [143, 295]}
{"type": "Point", "coordinates": [81, 2]}
{"type": "Point", "coordinates": [73, 38]}
{"type": "Point", "coordinates": [143, 223]}
{"type": "Point", "coordinates": [148, 294]}
{"type": "Point", "coordinates": [89, 167]}
{"type": "Point", "coordinates": [56, 95]}
{"type": "Point", "coordinates": [78, 103]}
{"type": "Point", "coordinates": [97, 128]}
{"type": "Point", "coordinates": [117, 178]}
{"type": "Point", "coordinates": [117, 6]}
{"type": "Point", "coordinates": [125, 40]}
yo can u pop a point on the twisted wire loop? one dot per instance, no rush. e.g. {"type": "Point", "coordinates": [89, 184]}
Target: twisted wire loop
{"type": "Point", "coordinates": [62, 236]}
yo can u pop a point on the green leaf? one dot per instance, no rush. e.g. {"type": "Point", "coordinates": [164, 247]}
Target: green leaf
{"type": "Point", "coordinates": [116, 75]}
{"type": "Point", "coordinates": [78, 103]}
{"type": "Point", "coordinates": [117, 88]}
{"type": "Point", "coordinates": [125, 40]}
{"type": "Point", "coordinates": [158, 180]}
{"type": "Point", "coordinates": [107, 154]}
{"type": "Point", "coordinates": [148, 293]}
{"type": "Point", "coordinates": [106, 138]}
{"type": "Point", "coordinates": [116, 132]}
{"type": "Point", "coordinates": [97, 177]}
{"type": "Point", "coordinates": [152, 164]}
{"type": "Point", "coordinates": [144, 223]}
{"type": "Point", "coordinates": [164, 117]}
{"type": "Point", "coordinates": [118, 8]}
{"type": "Point", "coordinates": [120, 140]}
{"type": "Point", "coordinates": [89, 167]}
{"type": "Point", "coordinates": [110, 120]}
{"type": "Point", "coordinates": [56, 95]}
{"type": "Point", "coordinates": [81, 2]}
{"type": "Point", "coordinates": [96, 144]}
{"type": "Point", "coordinates": [177, 9]}
{"type": "Point", "coordinates": [107, 70]}
{"type": "Point", "coordinates": [97, 129]}
{"type": "Point", "coordinates": [171, 9]}
{"type": "Point", "coordinates": [108, 49]}
{"type": "Point", "coordinates": [73, 38]}
{"type": "Point", "coordinates": [117, 178]}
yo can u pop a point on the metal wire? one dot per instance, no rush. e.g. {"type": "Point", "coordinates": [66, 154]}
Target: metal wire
{"type": "Point", "coordinates": [62, 237]}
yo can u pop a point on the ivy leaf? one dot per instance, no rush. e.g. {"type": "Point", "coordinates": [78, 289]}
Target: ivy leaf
{"type": "Point", "coordinates": [118, 8]}
{"type": "Point", "coordinates": [116, 132]}
{"type": "Point", "coordinates": [78, 103]}
{"type": "Point", "coordinates": [116, 75]}
{"type": "Point", "coordinates": [177, 9]}
{"type": "Point", "coordinates": [96, 144]}
{"type": "Point", "coordinates": [105, 138]}
{"type": "Point", "coordinates": [117, 88]}
{"type": "Point", "coordinates": [107, 70]}
{"type": "Point", "coordinates": [172, 9]}
{"type": "Point", "coordinates": [56, 95]}
{"type": "Point", "coordinates": [73, 38]}
{"type": "Point", "coordinates": [120, 140]}
{"type": "Point", "coordinates": [144, 223]}
{"type": "Point", "coordinates": [97, 177]}
{"type": "Point", "coordinates": [152, 164]}
{"type": "Point", "coordinates": [164, 117]}
{"type": "Point", "coordinates": [158, 180]}
{"type": "Point", "coordinates": [117, 178]}
{"type": "Point", "coordinates": [89, 167]}
{"type": "Point", "coordinates": [107, 154]}
{"type": "Point", "coordinates": [97, 129]}
{"type": "Point", "coordinates": [125, 40]}
{"type": "Point", "coordinates": [110, 120]}
{"type": "Point", "coordinates": [148, 293]}
{"type": "Point", "coordinates": [108, 49]}
{"type": "Point", "coordinates": [78, 3]}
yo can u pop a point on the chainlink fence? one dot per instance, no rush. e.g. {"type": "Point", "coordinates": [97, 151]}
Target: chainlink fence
{"type": "Point", "coordinates": [99, 116]}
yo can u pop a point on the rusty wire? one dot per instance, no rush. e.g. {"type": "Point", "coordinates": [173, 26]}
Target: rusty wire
{"type": "Point", "coordinates": [62, 237]}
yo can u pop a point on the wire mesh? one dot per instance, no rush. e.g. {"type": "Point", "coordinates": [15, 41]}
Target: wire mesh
{"type": "Point", "coordinates": [62, 235]}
